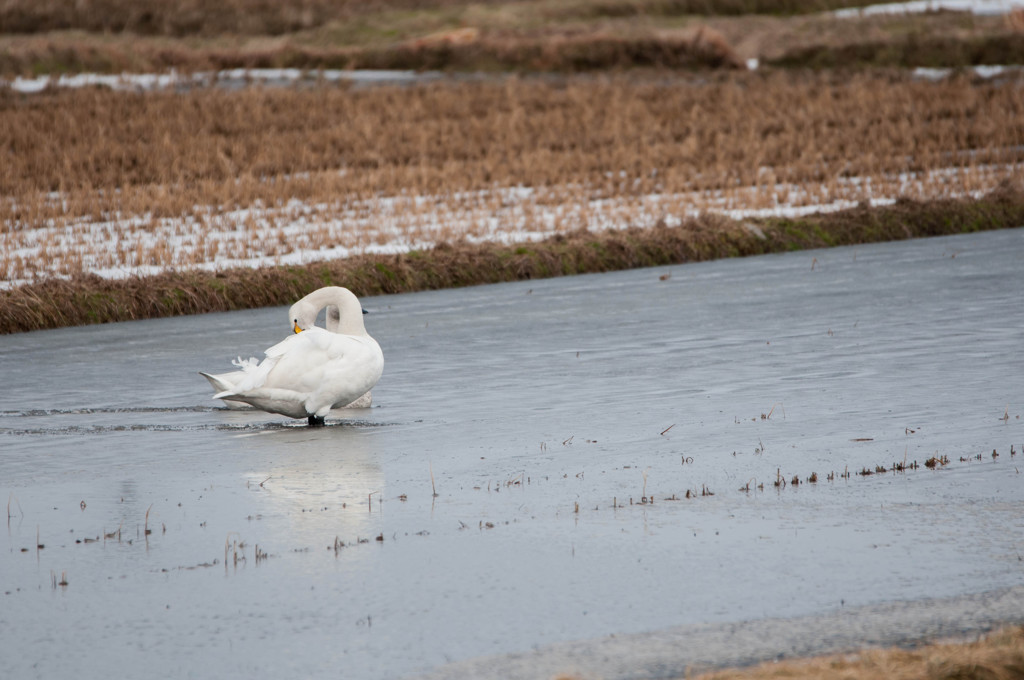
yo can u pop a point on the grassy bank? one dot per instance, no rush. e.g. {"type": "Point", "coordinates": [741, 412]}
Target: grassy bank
{"type": "Point", "coordinates": [91, 299]}
{"type": "Point", "coordinates": [111, 36]}
{"type": "Point", "coordinates": [917, 50]}
{"type": "Point", "coordinates": [997, 656]}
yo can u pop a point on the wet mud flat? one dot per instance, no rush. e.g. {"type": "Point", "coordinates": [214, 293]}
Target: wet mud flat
{"type": "Point", "coordinates": [723, 443]}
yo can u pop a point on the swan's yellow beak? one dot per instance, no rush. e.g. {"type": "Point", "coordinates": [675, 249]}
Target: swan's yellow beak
{"type": "Point", "coordinates": [297, 329]}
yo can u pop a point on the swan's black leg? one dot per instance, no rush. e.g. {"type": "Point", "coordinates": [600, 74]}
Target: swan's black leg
{"type": "Point", "coordinates": [315, 421]}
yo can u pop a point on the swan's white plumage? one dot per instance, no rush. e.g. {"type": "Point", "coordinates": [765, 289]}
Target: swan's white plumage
{"type": "Point", "coordinates": [312, 371]}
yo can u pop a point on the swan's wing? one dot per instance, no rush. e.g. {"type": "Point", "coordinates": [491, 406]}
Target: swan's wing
{"type": "Point", "coordinates": [354, 367]}
{"type": "Point", "coordinates": [331, 369]}
{"type": "Point", "coordinates": [254, 376]}
{"type": "Point", "coordinates": [295, 364]}
{"type": "Point", "coordinates": [308, 361]}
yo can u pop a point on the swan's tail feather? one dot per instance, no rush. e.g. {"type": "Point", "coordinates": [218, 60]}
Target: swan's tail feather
{"type": "Point", "coordinates": [223, 387]}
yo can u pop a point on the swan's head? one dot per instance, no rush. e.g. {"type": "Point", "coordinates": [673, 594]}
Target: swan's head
{"type": "Point", "coordinates": [344, 313]}
{"type": "Point", "coordinates": [302, 316]}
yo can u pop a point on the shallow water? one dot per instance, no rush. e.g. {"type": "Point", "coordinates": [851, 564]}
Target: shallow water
{"type": "Point", "coordinates": [229, 79]}
{"type": "Point", "coordinates": [543, 414]}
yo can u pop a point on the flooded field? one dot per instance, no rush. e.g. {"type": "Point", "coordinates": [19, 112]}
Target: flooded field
{"type": "Point", "coordinates": [545, 461]}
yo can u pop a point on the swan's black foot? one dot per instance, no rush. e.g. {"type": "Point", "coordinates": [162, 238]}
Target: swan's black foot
{"type": "Point", "coordinates": [315, 421]}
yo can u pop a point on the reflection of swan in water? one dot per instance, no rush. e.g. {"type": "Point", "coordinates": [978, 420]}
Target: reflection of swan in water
{"type": "Point", "coordinates": [316, 484]}
{"type": "Point", "coordinates": [314, 370]}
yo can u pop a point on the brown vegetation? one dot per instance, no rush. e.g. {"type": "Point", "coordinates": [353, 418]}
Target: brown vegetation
{"type": "Point", "coordinates": [177, 180]}
{"type": "Point", "coordinates": [90, 299]}
{"type": "Point", "coordinates": [997, 656]}
{"type": "Point", "coordinates": [269, 17]}
{"type": "Point", "coordinates": [692, 49]}
{"type": "Point", "coordinates": [183, 17]}
{"type": "Point", "coordinates": [212, 147]}
{"type": "Point", "coordinates": [1015, 20]}
{"type": "Point", "coordinates": [925, 51]}
{"type": "Point", "coordinates": [112, 36]}
{"type": "Point", "coordinates": [465, 136]}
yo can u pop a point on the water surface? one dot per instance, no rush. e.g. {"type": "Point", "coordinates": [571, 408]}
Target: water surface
{"type": "Point", "coordinates": [545, 461]}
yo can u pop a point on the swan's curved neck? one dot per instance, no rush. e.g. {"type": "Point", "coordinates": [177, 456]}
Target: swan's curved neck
{"type": "Point", "coordinates": [350, 312]}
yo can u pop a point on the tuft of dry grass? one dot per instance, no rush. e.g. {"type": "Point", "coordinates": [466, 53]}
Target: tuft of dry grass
{"type": "Point", "coordinates": [997, 656]}
{"type": "Point", "coordinates": [1015, 20]}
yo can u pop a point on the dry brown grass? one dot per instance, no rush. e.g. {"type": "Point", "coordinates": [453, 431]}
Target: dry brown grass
{"type": "Point", "coordinates": [215, 146]}
{"type": "Point", "coordinates": [112, 36]}
{"type": "Point", "coordinates": [181, 179]}
{"type": "Point", "coordinates": [561, 52]}
{"type": "Point", "coordinates": [186, 17]}
{"type": "Point", "coordinates": [1005, 47]}
{"type": "Point", "coordinates": [272, 17]}
{"type": "Point", "coordinates": [1015, 20]}
{"type": "Point", "coordinates": [998, 656]}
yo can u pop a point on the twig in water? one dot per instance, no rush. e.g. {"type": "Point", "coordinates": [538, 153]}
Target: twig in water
{"type": "Point", "coordinates": [779, 481]}
{"type": "Point", "coordinates": [228, 545]}
{"type": "Point", "coordinates": [668, 428]}
{"type": "Point", "coordinates": [432, 487]}
{"type": "Point", "coordinates": [20, 511]}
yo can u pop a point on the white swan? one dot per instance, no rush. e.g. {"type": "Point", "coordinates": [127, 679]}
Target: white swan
{"type": "Point", "coordinates": [218, 381]}
{"type": "Point", "coordinates": [314, 370]}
